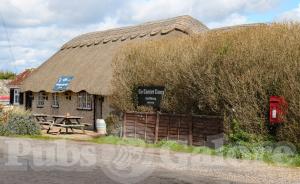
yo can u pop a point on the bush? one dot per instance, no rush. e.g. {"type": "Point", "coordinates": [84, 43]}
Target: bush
{"type": "Point", "coordinates": [232, 73]}
{"type": "Point", "coordinates": [113, 125]}
{"type": "Point", "coordinates": [18, 122]}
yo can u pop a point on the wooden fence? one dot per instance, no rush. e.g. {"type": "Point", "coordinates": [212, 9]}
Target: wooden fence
{"type": "Point", "coordinates": [153, 127]}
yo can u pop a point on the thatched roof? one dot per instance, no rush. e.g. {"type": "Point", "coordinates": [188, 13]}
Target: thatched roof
{"type": "Point", "coordinates": [88, 57]}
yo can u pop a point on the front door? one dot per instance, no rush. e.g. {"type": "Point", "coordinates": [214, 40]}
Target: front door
{"type": "Point", "coordinates": [98, 100]}
{"type": "Point", "coordinates": [28, 100]}
{"type": "Point", "coordinates": [98, 107]}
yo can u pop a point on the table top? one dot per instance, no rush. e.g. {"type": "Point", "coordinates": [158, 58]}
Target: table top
{"type": "Point", "coordinates": [40, 115]}
{"type": "Point", "coordinates": [67, 117]}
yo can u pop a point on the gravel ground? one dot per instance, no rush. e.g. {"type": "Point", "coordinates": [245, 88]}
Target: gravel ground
{"type": "Point", "coordinates": [53, 162]}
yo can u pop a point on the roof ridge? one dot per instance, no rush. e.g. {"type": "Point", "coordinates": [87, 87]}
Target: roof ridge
{"type": "Point", "coordinates": [184, 23]}
{"type": "Point", "coordinates": [139, 25]}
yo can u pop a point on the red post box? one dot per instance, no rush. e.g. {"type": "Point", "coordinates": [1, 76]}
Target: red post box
{"type": "Point", "coordinates": [278, 109]}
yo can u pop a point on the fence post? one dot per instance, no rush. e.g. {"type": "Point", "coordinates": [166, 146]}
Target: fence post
{"type": "Point", "coordinates": [136, 119]}
{"type": "Point", "coordinates": [124, 125]}
{"type": "Point", "coordinates": [146, 122]}
{"type": "Point", "coordinates": [156, 127]}
{"type": "Point", "coordinates": [190, 124]}
{"type": "Point", "coordinates": [178, 128]}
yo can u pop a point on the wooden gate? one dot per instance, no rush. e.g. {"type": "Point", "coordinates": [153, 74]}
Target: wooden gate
{"type": "Point", "coordinates": [188, 129]}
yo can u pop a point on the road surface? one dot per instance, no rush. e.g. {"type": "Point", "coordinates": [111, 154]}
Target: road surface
{"type": "Point", "coordinates": [25, 161]}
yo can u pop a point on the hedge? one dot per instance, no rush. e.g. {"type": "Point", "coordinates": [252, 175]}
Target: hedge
{"type": "Point", "coordinates": [228, 72]}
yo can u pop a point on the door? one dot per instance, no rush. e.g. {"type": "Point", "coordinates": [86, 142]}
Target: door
{"type": "Point", "coordinates": [11, 96]}
{"type": "Point", "coordinates": [98, 107]}
{"type": "Point", "coordinates": [98, 100]}
{"type": "Point", "coordinates": [28, 100]}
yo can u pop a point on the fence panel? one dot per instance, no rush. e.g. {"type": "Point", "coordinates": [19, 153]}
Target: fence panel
{"type": "Point", "coordinates": [187, 129]}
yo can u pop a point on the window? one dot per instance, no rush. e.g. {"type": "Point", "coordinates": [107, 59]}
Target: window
{"type": "Point", "coordinates": [16, 96]}
{"type": "Point", "coordinates": [84, 101]}
{"type": "Point", "coordinates": [55, 100]}
{"type": "Point", "coordinates": [41, 99]}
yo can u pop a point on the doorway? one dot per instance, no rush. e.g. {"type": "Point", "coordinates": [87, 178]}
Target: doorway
{"type": "Point", "coordinates": [98, 108]}
{"type": "Point", "coordinates": [28, 100]}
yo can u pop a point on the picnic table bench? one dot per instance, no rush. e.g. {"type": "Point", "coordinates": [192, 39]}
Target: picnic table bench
{"type": "Point", "coordinates": [42, 119]}
{"type": "Point", "coordinates": [67, 122]}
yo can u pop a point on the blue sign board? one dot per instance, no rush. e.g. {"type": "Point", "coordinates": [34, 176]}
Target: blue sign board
{"type": "Point", "coordinates": [62, 83]}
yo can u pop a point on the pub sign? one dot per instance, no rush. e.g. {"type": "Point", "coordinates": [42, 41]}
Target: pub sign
{"type": "Point", "coordinates": [62, 83]}
{"type": "Point", "coordinates": [150, 95]}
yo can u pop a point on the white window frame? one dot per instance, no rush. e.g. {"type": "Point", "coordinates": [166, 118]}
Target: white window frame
{"type": "Point", "coordinates": [41, 99]}
{"type": "Point", "coordinates": [84, 101]}
{"type": "Point", "coordinates": [55, 102]}
{"type": "Point", "coordinates": [16, 96]}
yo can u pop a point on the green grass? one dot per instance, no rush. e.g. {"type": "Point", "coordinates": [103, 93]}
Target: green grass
{"type": "Point", "coordinates": [38, 137]}
{"type": "Point", "coordinates": [119, 141]}
{"type": "Point", "coordinates": [242, 150]}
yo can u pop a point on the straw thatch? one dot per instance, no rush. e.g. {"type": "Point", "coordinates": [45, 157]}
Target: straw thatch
{"type": "Point", "coordinates": [88, 58]}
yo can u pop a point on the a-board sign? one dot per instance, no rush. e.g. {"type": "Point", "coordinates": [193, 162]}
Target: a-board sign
{"type": "Point", "coordinates": [150, 95]}
{"type": "Point", "coordinates": [62, 83]}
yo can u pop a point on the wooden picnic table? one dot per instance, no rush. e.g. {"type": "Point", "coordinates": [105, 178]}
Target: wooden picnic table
{"type": "Point", "coordinates": [41, 117]}
{"type": "Point", "coordinates": [66, 122]}
{"type": "Point", "coordinates": [42, 120]}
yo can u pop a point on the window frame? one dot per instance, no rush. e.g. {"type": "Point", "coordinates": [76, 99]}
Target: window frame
{"type": "Point", "coordinates": [84, 101]}
{"type": "Point", "coordinates": [55, 100]}
{"type": "Point", "coordinates": [41, 98]}
{"type": "Point", "coordinates": [16, 96]}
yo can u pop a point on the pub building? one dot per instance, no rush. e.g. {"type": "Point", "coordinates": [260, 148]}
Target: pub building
{"type": "Point", "coordinates": [76, 80]}
{"type": "Point", "coordinates": [16, 97]}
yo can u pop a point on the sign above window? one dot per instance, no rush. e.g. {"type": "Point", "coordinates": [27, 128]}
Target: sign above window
{"type": "Point", "coordinates": [62, 83]}
{"type": "Point", "coordinates": [150, 95]}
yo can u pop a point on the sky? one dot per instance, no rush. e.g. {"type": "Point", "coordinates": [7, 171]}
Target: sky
{"type": "Point", "coordinates": [31, 31]}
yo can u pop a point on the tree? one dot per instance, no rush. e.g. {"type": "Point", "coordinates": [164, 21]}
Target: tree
{"type": "Point", "coordinates": [4, 75]}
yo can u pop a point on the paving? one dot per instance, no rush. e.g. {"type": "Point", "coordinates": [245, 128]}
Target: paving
{"type": "Point", "coordinates": [27, 161]}
{"type": "Point", "coordinates": [77, 135]}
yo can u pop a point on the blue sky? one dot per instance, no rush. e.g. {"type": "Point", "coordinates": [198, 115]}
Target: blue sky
{"type": "Point", "coordinates": [33, 30]}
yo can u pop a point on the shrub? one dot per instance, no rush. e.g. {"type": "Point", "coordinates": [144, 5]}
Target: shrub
{"type": "Point", "coordinates": [18, 122]}
{"type": "Point", "coordinates": [113, 125]}
{"type": "Point", "coordinates": [219, 72]}
{"type": "Point", "coordinates": [296, 161]}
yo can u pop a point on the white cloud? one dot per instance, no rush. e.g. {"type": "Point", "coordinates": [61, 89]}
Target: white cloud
{"type": "Point", "coordinates": [233, 19]}
{"type": "Point", "coordinates": [206, 11]}
{"type": "Point", "coordinates": [38, 28]}
{"type": "Point", "coordinates": [25, 13]}
{"type": "Point", "coordinates": [77, 12]}
{"type": "Point", "coordinates": [20, 62]}
{"type": "Point", "coordinates": [292, 15]}
{"type": "Point", "coordinates": [32, 45]}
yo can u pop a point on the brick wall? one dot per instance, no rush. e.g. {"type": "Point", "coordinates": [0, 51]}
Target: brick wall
{"type": "Point", "coordinates": [69, 106]}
